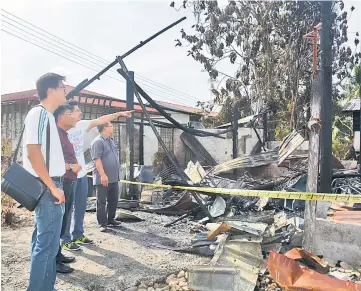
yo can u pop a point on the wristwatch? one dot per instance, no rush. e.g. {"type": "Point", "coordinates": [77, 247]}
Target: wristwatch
{"type": "Point", "coordinates": [71, 166]}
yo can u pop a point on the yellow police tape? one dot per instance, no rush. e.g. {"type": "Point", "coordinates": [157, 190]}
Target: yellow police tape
{"type": "Point", "coordinates": [261, 193]}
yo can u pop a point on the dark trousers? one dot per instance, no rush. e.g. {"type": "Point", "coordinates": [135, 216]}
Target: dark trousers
{"type": "Point", "coordinates": [69, 200]}
{"type": "Point", "coordinates": [107, 200]}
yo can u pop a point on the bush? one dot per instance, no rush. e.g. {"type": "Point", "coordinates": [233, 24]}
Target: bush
{"type": "Point", "coordinates": [7, 209]}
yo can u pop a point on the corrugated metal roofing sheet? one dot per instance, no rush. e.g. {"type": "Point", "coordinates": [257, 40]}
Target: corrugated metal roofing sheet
{"type": "Point", "coordinates": [234, 267]}
{"type": "Point", "coordinates": [353, 105]}
{"type": "Point", "coordinates": [185, 109]}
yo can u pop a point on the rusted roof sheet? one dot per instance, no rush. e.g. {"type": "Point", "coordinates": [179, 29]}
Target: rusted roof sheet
{"type": "Point", "coordinates": [23, 95]}
{"type": "Point", "coordinates": [240, 121]}
{"type": "Point", "coordinates": [289, 275]}
{"type": "Point", "coordinates": [32, 94]}
{"type": "Point", "coordinates": [185, 109]}
{"type": "Point", "coordinates": [353, 217]}
{"type": "Point", "coordinates": [310, 259]}
{"type": "Point", "coordinates": [353, 105]}
{"type": "Point", "coordinates": [342, 213]}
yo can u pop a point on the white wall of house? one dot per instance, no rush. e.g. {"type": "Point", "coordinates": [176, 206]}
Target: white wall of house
{"type": "Point", "coordinates": [151, 145]}
{"type": "Point", "coordinates": [182, 118]}
{"type": "Point", "coordinates": [220, 149]}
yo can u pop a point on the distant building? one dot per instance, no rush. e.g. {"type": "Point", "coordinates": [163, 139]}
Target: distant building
{"type": "Point", "coordinates": [354, 107]}
{"type": "Point", "coordinates": [15, 106]}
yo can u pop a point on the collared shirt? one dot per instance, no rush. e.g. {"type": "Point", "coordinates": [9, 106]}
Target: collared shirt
{"type": "Point", "coordinates": [104, 148]}
{"type": "Point", "coordinates": [69, 153]}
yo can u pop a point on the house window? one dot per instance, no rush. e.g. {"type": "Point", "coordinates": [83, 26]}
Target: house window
{"type": "Point", "coordinates": [167, 135]}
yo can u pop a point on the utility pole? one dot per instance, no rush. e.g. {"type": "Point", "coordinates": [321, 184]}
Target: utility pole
{"type": "Point", "coordinates": [313, 158]}
{"type": "Point", "coordinates": [326, 108]}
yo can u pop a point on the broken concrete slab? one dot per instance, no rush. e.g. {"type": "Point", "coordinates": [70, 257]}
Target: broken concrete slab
{"type": "Point", "coordinates": [214, 278]}
{"type": "Point", "coordinates": [337, 240]}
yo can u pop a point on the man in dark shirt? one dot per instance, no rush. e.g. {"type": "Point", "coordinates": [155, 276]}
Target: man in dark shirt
{"type": "Point", "coordinates": [65, 120]}
{"type": "Point", "coordinates": [105, 175]}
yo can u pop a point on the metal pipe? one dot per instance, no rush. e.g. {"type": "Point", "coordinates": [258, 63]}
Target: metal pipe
{"type": "Point", "coordinates": [87, 82]}
{"type": "Point", "coordinates": [130, 134]}
{"type": "Point", "coordinates": [235, 130]}
{"type": "Point", "coordinates": [359, 81]}
{"type": "Point", "coordinates": [141, 140]}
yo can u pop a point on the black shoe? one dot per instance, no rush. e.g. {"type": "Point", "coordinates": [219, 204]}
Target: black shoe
{"type": "Point", "coordinates": [65, 260]}
{"type": "Point", "coordinates": [114, 222]}
{"type": "Point", "coordinates": [64, 269]}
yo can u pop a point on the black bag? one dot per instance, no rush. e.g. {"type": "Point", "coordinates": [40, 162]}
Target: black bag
{"type": "Point", "coordinates": [22, 186]}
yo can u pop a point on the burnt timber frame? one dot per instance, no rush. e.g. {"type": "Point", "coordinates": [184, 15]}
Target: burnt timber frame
{"type": "Point", "coordinates": [130, 81]}
{"type": "Point", "coordinates": [172, 159]}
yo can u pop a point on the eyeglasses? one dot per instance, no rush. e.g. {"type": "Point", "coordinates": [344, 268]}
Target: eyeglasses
{"type": "Point", "coordinates": [63, 87]}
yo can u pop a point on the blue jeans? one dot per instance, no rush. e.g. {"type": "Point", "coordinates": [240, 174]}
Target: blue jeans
{"type": "Point", "coordinates": [68, 187]}
{"type": "Point", "coordinates": [80, 203]}
{"type": "Point", "coordinates": [45, 242]}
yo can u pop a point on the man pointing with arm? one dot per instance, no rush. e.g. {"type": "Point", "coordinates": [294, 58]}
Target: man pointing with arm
{"type": "Point", "coordinates": [76, 137]}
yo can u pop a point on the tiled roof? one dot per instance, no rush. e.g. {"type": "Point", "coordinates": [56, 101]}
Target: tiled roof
{"type": "Point", "coordinates": [32, 95]}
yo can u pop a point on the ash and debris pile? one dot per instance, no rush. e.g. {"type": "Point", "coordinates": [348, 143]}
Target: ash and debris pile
{"type": "Point", "coordinates": [253, 243]}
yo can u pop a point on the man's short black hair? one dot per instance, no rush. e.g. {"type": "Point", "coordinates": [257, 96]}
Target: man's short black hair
{"type": "Point", "coordinates": [49, 80]}
{"type": "Point", "coordinates": [61, 110]}
{"type": "Point", "coordinates": [102, 126]}
{"type": "Point", "coordinates": [73, 103]}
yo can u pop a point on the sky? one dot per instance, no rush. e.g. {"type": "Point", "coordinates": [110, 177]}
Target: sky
{"type": "Point", "coordinates": [107, 29]}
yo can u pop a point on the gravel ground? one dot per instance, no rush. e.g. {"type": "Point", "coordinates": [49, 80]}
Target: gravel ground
{"type": "Point", "coordinates": [121, 258]}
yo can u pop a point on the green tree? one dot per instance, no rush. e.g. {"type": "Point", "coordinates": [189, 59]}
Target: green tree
{"type": "Point", "coordinates": [342, 132]}
{"type": "Point", "coordinates": [262, 44]}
